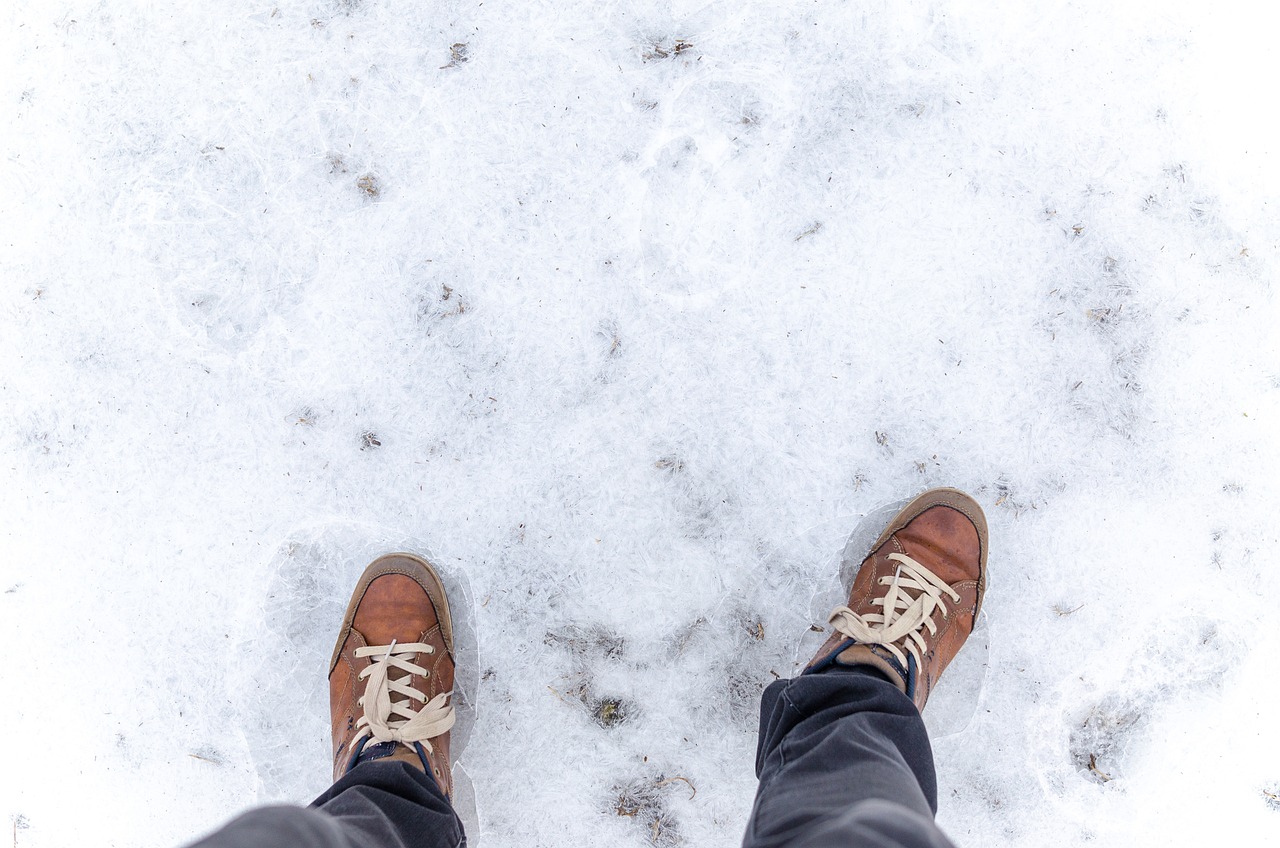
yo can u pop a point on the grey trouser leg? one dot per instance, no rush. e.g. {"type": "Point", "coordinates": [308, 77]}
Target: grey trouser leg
{"type": "Point", "coordinates": [281, 825]}
{"type": "Point", "coordinates": [378, 804]}
{"type": "Point", "coordinates": [843, 760]}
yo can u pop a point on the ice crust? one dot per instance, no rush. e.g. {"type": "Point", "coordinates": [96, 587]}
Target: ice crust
{"type": "Point", "coordinates": [628, 313]}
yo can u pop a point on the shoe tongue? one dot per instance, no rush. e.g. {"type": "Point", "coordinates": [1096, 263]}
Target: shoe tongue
{"type": "Point", "coordinates": [376, 751]}
{"type": "Point", "coordinates": [881, 660]}
{"type": "Point", "coordinates": [391, 750]}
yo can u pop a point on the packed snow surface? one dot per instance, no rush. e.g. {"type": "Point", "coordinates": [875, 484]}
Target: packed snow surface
{"type": "Point", "coordinates": [627, 313]}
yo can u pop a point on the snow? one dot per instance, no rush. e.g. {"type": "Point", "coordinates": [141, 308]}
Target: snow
{"type": "Point", "coordinates": [628, 312]}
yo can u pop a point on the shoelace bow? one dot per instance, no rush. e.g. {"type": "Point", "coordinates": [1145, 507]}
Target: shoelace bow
{"type": "Point", "coordinates": [902, 616]}
{"type": "Point", "coordinates": [397, 721]}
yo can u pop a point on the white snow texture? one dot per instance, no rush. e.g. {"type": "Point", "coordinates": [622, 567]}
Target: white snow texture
{"type": "Point", "coordinates": [629, 311]}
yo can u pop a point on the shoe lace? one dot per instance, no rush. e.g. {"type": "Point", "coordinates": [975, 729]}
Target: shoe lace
{"type": "Point", "coordinates": [903, 617]}
{"type": "Point", "coordinates": [386, 720]}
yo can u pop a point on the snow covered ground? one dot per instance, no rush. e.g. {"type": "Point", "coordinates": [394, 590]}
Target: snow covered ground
{"type": "Point", "coordinates": [629, 311]}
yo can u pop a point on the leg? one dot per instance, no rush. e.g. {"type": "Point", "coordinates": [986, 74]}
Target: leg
{"type": "Point", "coordinates": [390, 683]}
{"type": "Point", "coordinates": [393, 805]}
{"type": "Point", "coordinates": [843, 759]}
{"type": "Point", "coordinates": [878, 824]}
{"type": "Point", "coordinates": [268, 827]}
{"type": "Point", "coordinates": [378, 804]}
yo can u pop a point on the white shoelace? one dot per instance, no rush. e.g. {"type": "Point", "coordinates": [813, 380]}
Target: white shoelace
{"type": "Point", "coordinates": [903, 617]}
{"type": "Point", "coordinates": [386, 720]}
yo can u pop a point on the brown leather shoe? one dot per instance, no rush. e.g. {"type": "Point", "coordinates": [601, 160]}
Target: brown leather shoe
{"type": "Point", "coordinates": [916, 596]}
{"type": "Point", "coordinates": [392, 670]}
